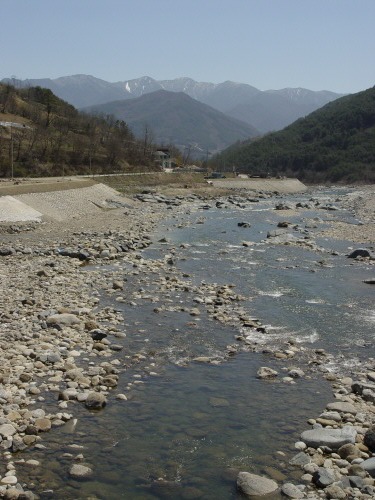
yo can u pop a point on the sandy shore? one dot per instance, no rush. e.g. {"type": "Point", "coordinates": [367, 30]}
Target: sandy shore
{"type": "Point", "coordinates": [52, 324]}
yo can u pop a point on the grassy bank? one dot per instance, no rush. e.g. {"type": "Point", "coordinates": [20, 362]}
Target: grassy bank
{"type": "Point", "coordinates": [166, 183]}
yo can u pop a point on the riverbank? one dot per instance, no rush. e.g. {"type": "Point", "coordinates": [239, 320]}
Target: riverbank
{"type": "Point", "coordinates": [59, 344]}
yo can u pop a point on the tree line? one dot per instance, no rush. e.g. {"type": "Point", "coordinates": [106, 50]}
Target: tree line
{"type": "Point", "coordinates": [54, 138]}
{"type": "Point", "coordinates": [333, 144]}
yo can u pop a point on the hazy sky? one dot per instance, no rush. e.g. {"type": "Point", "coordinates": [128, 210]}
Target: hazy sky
{"type": "Point", "coordinates": [270, 44]}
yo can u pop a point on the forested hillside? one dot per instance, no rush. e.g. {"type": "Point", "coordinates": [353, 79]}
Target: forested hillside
{"type": "Point", "coordinates": [333, 144]}
{"type": "Point", "coordinates": [40, 134]}
{"type": "Point", "coordinates": [175, 118]}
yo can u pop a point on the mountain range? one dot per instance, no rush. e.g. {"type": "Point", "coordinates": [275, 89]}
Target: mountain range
{"type": "Point", "coordinates": [265, 110]}
{"type": "Point", "coordinates": [185, 112]}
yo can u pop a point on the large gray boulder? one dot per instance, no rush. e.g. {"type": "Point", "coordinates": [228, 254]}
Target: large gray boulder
{"type": "Point", "coordinates": [342, 406]}
{"type": "Point", "coordinates": [253, 485]}
{"type": "Point", "coordinates": [333, 438]}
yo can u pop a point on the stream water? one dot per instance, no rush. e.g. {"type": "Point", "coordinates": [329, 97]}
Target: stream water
{"type": "Point", "coordinates": [188, 427]}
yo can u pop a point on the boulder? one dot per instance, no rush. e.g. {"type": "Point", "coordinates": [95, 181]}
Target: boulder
{"type": "Point", "coordinates": [342, 406]}
{"type": "Point", "coordinates": [253, 485]}
{"type": "Point", "coordinates": [265, 372]}
{"type": "Point", "coordinates": [323, 477]}
{"type": "Point", "coordinates": [359, 252]}
{"type": "Point", "coordinates": [95, 401]}
{"type": "Point", "coordinates": [369, 439]}
{"type": "Point", "coordinates": [78, 471]}
{"type": "Point", "coordinates": [349, 450]}
{"type": "Point", "coordinates": [333, 438]}
{"type": "Point", "coordinates": [334, 492]}
{"type": "Point", "coordinates": [290, 490]}
{"type": "Point", "coordinates": [7, 430]}
{"type": "Point", "coordinates": [63, 319]}
{"type": "Point", "coordinates": [369, 466]}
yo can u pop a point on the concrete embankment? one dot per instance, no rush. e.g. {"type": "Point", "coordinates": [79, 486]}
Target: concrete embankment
{"type": "Point", "coordinates": [59, 205]}
{"type": "Point", "coordinates": [47, 199]}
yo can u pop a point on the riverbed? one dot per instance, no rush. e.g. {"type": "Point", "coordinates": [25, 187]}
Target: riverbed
{"type": "Point", "coordinates": [195, 413]}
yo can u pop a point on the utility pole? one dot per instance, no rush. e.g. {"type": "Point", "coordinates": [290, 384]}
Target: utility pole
{"type": "Point", "coordinates": [11, 152]}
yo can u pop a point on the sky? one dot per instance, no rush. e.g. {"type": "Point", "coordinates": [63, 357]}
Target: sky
{"type": "Point", "coordinates": [269, 44]}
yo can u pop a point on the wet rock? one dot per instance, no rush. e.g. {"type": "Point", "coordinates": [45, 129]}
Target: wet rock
{"type": "Point", "coordinates": [43, 424]}
{"type": "Point", "coordinates": [95, 401]}
{"type": "Point", "coordinates": [300, 459]}
{"type": "Point", "coordinates": [78, 471]}
{"type": "Point", "coordinates": [265, 372]}
{"type": "Point", "coordinates": [253, 485]}
{"type": "Point", "coordinates": [296, 373]}
{"type": "Point", "coordinates": [218, 402]}
{"type": "Point", "coordinates": [359, 252]}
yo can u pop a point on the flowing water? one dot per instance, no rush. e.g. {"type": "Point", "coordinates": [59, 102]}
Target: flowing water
{"type": "Point", "coordinates": [188, 427]}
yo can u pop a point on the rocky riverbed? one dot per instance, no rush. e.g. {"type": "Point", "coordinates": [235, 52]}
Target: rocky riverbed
{"type": "Point", "coordinates": [60, 345]}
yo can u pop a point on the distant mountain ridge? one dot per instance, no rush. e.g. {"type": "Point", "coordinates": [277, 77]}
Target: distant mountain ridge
{"type": "Point", "coordinates": [265, 110]}
{"type": "Point", "coordinates": [176, 118]}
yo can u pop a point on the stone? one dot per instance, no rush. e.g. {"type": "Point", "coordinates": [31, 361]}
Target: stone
{"type": "Point", "coordinates": [296, 373]}
{"type": "Point", "coordinates": [358, 387]}
{"type": "Point", "coordinates": [11, 480]}
{"type": "Point", "coordinates": [357, 470]}
{"type": "Point", "coordinates": [42, 424]}
{"type": "Point", "coordinates": [63, 319]}
{"type": "Point", "coordinates": [323, 477]}
{"type": "Point", "coordinates": [349, 450]}
{"type": "Point", "coordinates": [265, 372]}
{"type": "Point", "coordinates": [342, 406]}
{"type": "Point", "coordinates": [334, 492]}
{"type": "Point", "coordinates": [7, 430]}
{"type": "Point", "coordinates": [80, 471]}
{"type": "Point", "coordinates": [118, 285]}
{"type": "Point", "coordinates": [290, 490]}
{"type": "Point", "coordinates": [333, 438]}
{"type": "Point", "coordinates": [369, 466]}
{"type": "Point", "coordinates": [95, 401]}
{"type": "Point", "coordinates": [359, 252]}
{"type": "Point", "coordinates": [369, 438]}
{"type": "Point", "coordinates": [300, 459]}
{"type": "Point", "coordinates": [253, 485]}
